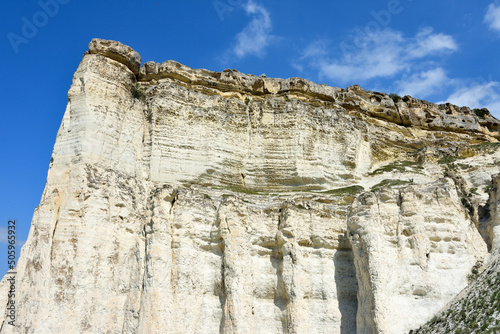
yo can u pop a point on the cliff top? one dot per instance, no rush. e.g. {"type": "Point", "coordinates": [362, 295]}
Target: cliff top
{"type": "Point", "coordinates": [406, 111]}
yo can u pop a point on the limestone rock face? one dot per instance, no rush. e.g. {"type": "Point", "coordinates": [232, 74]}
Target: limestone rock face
{"type": "Point", "coordinates": [229, 203]}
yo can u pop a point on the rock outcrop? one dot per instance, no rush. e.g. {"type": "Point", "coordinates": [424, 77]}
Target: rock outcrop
{"type": "Point", "coordinates": [413, 248]}
{"type": "Point", "coordinates": [189, 201]}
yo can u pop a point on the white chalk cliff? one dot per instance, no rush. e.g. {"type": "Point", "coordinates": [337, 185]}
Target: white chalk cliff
{"type": "Point", "coordinates": [182, 200]}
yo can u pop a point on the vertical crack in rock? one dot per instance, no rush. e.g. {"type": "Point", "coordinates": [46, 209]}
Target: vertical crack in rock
{"type": "Point", "coordinates": [171, 198]}
{"type": "Point", "coordinates": [147, 138]}
{"type": "Point", "coordinates": [145, 275]}
{"type": "Point", "coordinates": [484, 218]}
{"type": "Point", "coordinates": [347, 288]}
{"type": "Point", "coordinates": [480, 216]}
{"type": "Point", "coordinates": [287, 271]}
{"type": "Point", "coordinates": [493, 222]}
{"type": "Point", "coordinates": [281, 298]}
{"type": "Point", "coordinates": [365, 317]}
{"type": "Point", "coordinates": [146, 266]}
{"type": "Point", "coordinates": [220, 287]}
{"type": "Point", "coordinates": [172, 202]}
{"type": "Point", "coordinates": [52, 240]}
{"type": "Point", "coordinates": [231, 259]}
{"type": "Point", "coordinates": [82, 85]}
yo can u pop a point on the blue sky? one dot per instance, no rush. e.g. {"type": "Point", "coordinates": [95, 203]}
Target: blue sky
{"type": "Point", "coordinates": [444, 50]}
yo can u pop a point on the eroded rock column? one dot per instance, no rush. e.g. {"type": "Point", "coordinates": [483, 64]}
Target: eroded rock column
{"type": "Point", "coordinates": [413, 249]}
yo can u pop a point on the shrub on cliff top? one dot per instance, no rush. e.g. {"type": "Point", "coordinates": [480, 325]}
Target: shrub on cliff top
{"type": "Point", "coordinates": [395, 97]}
{"type": "Point", "coordinates": [479, 112]}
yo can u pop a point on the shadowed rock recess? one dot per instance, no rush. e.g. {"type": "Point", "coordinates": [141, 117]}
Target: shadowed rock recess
{"type": "Point", "coordinates": [183, 200]}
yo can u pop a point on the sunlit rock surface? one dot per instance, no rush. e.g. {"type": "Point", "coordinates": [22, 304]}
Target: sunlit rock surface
{"type": "Point", "coordinates": [189, 201]}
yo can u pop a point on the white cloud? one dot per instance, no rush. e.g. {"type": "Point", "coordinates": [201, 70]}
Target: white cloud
{"type": "Point", "coordinates": [424, 83]}
{"type": "Point", "coordinates": [492, 17]}
{"type": "Point", "coordinates": [478, 95]}
{"type": "Point", "coordinates": [427, 43]}
{"type": "Point", "coordinates": [380, 58]}
{"type": "Point", "coordinates": [380, 55]}
{"type": "Point", "coordinates": [256, 36]}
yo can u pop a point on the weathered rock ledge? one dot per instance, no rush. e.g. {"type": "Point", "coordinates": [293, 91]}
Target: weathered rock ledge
{"type": "Point", "coordinates": [408, 111]}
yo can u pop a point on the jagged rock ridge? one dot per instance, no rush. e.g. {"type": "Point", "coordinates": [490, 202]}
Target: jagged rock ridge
{"type": "Point", "coordinates": [190, 201]}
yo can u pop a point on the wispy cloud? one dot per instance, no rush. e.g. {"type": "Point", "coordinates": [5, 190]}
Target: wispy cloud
{"type": "Point", "coordinates": [492, 17]}
{"type": "Point", "coordinates": [315, 50]}
{"type": "Point", "coordinates": [318, 48]}
{"type": "Point", "coordinates": [424, 83]}
{"type": "Point", "coordinates": [381, 55]}
{"type": "Point", "coordinates": [427, 43]}
{"type": "Point", "coordinates": [256, 36]}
